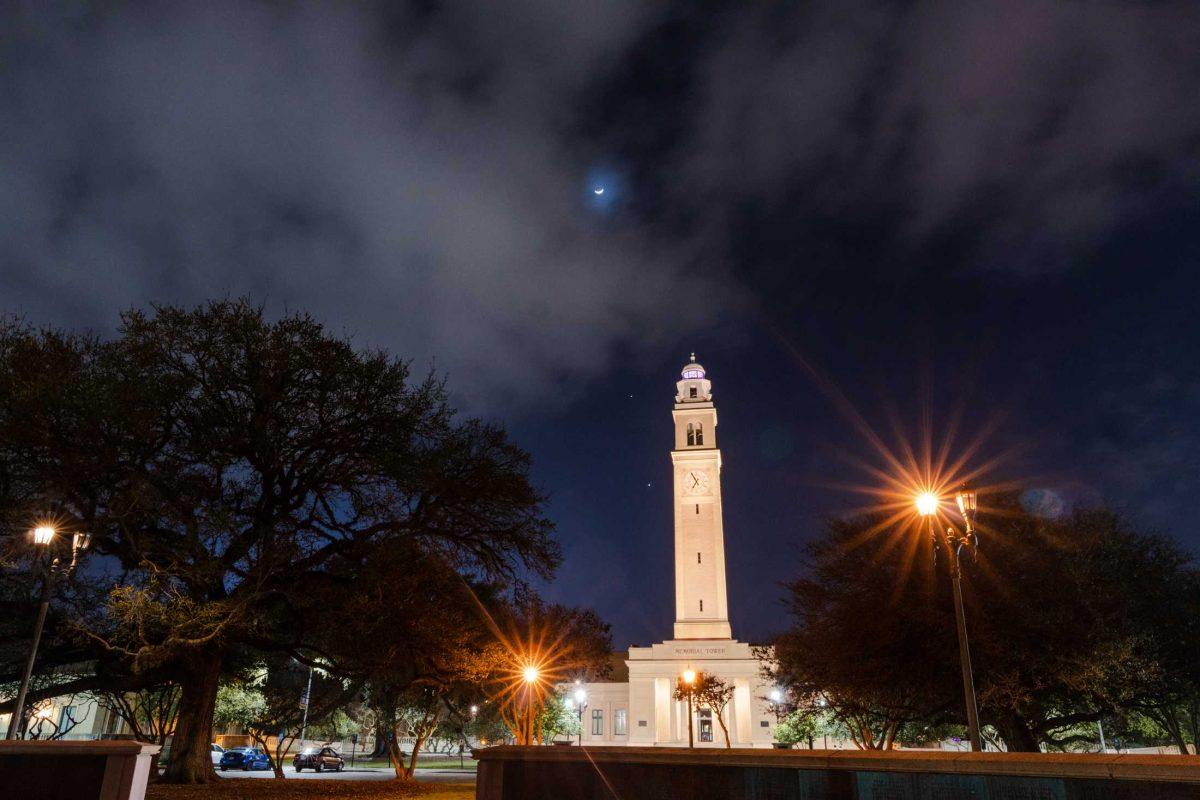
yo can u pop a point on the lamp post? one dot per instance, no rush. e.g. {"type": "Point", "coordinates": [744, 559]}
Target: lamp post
{"type": "Point", "coordinates": [580, 704]}
{"type": "Point", "coordinates": [530, 675]}
{"type": "Point", "coordinates": [689, 680]}
{"type": "Point", "coordinates": [927, 506]}
{"type": "Point", "coordinates": [304, 705]}
{"type": "Point", "coordinates": [43, 536]}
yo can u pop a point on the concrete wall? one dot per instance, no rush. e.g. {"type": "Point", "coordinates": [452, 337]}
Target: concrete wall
{"type": "Point", "coordinates": [542, 773]}
{"type": "Point", "coordinates": [75, 770]}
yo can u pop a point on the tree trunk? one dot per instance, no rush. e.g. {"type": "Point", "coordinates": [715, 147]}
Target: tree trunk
{"type": "Point", "coordinates": [1192, 713]}
{"type": "Point", "coordinates": [1018, 736]}
{"type": "Point", "coordinates": [381, 743]}
{"type": "Point", "coordinates": [191, 752]}
{"type": "Point", "coordinates": [724, 728]}
{"type": "Point", "coordinates": [393, 751]}
{"type": "Point", "coordinates": [411, 769]}
{"type": "Point", "coordinates": [889, 741]}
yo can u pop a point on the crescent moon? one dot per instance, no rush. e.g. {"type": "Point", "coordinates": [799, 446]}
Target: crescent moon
{"type": "Point", "coordinates": [599, 190]}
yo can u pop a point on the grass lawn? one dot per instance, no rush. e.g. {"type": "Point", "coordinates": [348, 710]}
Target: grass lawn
{"type": "Point", "coordinates": [315, 789]}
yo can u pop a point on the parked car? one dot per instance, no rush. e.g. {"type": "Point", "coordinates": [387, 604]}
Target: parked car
{"type": "Point", "coordinates": [319, 759]}
{"type": "Point", "coordinates": [217, 752]}
{"type": "Point", "coordinates": [244, 758]}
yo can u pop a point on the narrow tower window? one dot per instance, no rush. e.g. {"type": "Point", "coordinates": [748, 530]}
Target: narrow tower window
{"type": "Point", "coordinates": [697, 558]}
{"type": "Point", "coordinates": [699, 433]}
{"type": "Point", "coordinates": [691, 439]}
{"type": "Point", "coordinates": [701, 605]}
{"type": "Point", "coordinates": [697, 508]}
{"type": "Point", "coordinates": [692, 392]}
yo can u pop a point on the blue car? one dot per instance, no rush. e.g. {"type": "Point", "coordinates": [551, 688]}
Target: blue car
{"type": "Point", "coordinates": [244, 758]}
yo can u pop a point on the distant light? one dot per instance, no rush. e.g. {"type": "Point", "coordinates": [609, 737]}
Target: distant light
{"type": "Point", "coordinates": [531, 674]}
{"type": "Point", "coordinates": [43, 535]}
{"type": "Point", "coordinates": [474, 710]}
{"type": "Point", "coordinates": [927, 503]}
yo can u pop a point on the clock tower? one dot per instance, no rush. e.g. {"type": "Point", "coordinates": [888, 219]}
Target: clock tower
{"type": "Point", "coordinates": [645, 711]}
{"type": "Point", "coordinates": [701, 608]}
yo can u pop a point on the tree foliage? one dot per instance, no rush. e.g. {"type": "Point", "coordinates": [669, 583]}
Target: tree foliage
{"type": "Point", "coordinates": [1068, 618]}
{"type": "Point", "coordinates": [231, 468]}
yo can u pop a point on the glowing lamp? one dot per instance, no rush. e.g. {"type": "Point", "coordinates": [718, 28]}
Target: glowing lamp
{"type": "Point", "coordinates": [43, 535]}
{"type": "Point", "coordinates": [776, 695]}
{"type": "Point", "coordinates": [967, 500]}
{"type": "Point", "coordinates": [531, 674]}
{"type": "Point", "coordinates": [580, 696]}
{"type": "Point", "coordinates": [689, 676]}
{"type": "Point", "coordinates": [927, 503]}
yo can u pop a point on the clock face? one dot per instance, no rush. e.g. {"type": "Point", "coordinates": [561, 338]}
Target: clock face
{"type": "Point", "coordinates": [695, 481]}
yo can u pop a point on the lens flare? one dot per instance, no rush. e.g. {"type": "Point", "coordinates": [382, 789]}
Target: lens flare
{"type": "Point", "coordinates": [927, 503]}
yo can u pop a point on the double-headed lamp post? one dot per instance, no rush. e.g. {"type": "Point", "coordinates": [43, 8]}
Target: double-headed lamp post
{"type": "Point", "coordinates": [927, 506]}
{"type": "Point", "coordinates": [44, 537]}
{"type": "Point", "coordinates": [689, 680]}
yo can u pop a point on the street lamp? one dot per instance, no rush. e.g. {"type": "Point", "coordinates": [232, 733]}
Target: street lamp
{"type": "Point", "coordinates": [689, 680]}
{"type": "Point", "coordinates": [955, 540]}
{"type": "Point", "coordinates": [580, 704]}
{"type": "Point", "coordinates": [43, 537]}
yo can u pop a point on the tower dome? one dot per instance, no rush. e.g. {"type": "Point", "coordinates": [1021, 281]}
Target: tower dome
{"type": "Point", "coordinates": [693, 387]}
{"type": "Point", "coordinates": [692, 370]}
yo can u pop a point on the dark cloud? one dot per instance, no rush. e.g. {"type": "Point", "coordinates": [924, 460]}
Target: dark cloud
{"type": "Point", "coordinates": [416, 174]}
{"type": "Point", "coordinates": [1031, 128]}
{"type": "Point", "coordinates": [399, 173]}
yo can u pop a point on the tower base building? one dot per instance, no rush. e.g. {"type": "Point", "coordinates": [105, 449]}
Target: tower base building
{"type": "Point", "coordinates": [643, 711]}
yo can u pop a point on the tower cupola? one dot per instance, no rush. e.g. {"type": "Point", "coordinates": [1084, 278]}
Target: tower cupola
{"type": "Point", "coordinates": [693, 387]}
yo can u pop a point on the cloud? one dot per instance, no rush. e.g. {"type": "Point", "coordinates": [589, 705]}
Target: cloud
{"type": "Point", "coordinates": [1030, 128]}
{"type": "Point", "coordinates": [403, 174]}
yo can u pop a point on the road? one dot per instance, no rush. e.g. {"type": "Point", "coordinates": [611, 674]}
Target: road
{"type": "Point", "coordinates": [360, 774]}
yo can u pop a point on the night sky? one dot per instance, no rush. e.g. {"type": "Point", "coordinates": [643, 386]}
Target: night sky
{"type": "Point", "coordinates": [858, 214]}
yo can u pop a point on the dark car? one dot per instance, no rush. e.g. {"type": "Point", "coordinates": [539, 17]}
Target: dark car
{"type": "Point", "coordinates": [244, 758]}
{"type": "Point", "coordinates": [319, 760]}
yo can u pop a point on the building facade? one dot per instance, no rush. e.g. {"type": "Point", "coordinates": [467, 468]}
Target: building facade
{"type": "Point", "coordinates": [643, 711]}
